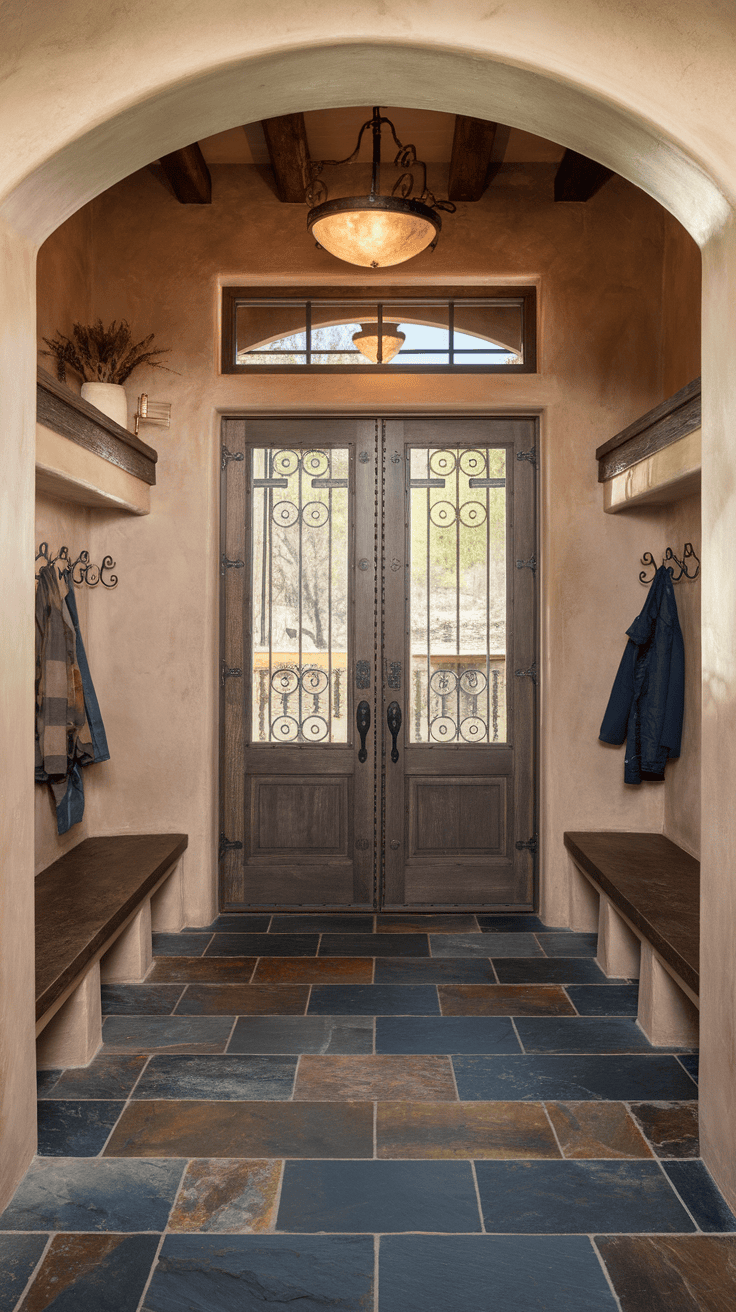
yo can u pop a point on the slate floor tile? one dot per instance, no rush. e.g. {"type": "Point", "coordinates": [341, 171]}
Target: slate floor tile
{"type": "Point", "coordinates": [243, 1129]}
{"type": "Point", "coordinates": [220, 1078]}
{"type": "Point", "coordinates": [374, 1000]}
{"type": "Point", "coordinates": [322, 924]}
{"type": "Point", "coordinates": [92, 1273]}
{"type": "Point", "coordinates": [75, 1129]}
{"type": "Point", "coordinates": [605, 999]}
{"type": "Point", "coordinates": [244, 1000]}
{"type": "Point", "coordinates": [140, 999]}
{"type": "Point", "coordinates": [227, 1197]}
{"type": "Point", "coordinates": [263, 945]}
{"type": "Point", "coordinates": [399, 1079]}
{"type": "Point", "coordinates": [563, 944]}
{"type": "Point", "coordinates": [574, 1078]}
{"type": "Point", "coordinates": [577, 1198]}
{"type": "Point", "coordinates": [690, 1273]}
{"type": "Point", "coordinates": [205, 1273]}
{"type": "Point", "coordinates": [434, 970]}
{"type": "Point", "coordinates": [463, 1129]}
{"type": "Point", "coordinates": [521, 923]}
{"type": "Point", "coordinates": [313, 970]}
{"type": "Point", "coordinates": [19, 1254]}
{"type": "Point", "coordinates": [701, 1195]}
{"type": "Point", "coordinates": [233, 923]}
{"type": "Point", "coordinates": [297, 1034]}
{"type": "Point", "coordinates": [596, 1129]}
{"type": "Point", "coordinates": [671, 1128]}
{"type": "Point", "coordinates": [484, 945]}
{"type": "Point", "coordinates": [690, 1061]}
{"type": "Point", "coordinates": [600, 1034]}
{"type": "Point", "coordinates": [105, 1077]}
{"type": "Point", "coordinates": [445, 924]}
{"type": "Point", "coordinates": [45, 1081]}
{"type": "Point", "coordinates": [201, 970]}
{"type": "Point", "coordinates": [374, 945]}
{"type": "Point", "coordinates": [504, 1000]}
{"type": "Point", "coordinates": [179, 945]}
{"type": "Point", "coordinates": [425, 1034]}
{"type": "Point", "coordinates": [525, 1274]}
{"type": "Point", "coordinates": [378, 1196]}
{"type": "Point", "coordinates": [166, 1033]}
{"type": "Point", "coordinates": [86, 1194]}
{"type": "Point", "coordinates": [549, 970]}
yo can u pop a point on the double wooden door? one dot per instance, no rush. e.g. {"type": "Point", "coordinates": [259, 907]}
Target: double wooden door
{"type": "Point", "coordinates": [378, 669]}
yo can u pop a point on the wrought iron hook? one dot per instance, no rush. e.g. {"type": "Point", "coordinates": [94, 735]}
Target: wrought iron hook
{"type": "Point", "coordinates": [688, 554]}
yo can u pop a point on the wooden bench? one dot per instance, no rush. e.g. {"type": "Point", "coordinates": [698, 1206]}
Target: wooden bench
{"type": "Point", "coordinates": [95, 910]}
{"type": "Point", "coordinates": [642, 894]}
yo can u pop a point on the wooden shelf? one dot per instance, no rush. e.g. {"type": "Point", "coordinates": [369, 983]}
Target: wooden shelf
{"type": "Point", "coordinates": [60, 409]}
{"type": "Point", "coordinates": [657, 458]}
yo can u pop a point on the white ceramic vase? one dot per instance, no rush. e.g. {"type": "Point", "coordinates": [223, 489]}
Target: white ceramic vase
{"type": "Point", "coordinates": [110, 398]}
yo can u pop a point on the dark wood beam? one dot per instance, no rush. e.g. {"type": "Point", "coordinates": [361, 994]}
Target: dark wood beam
{"type": "Point", "coordinates": [189, 176]}
{"type": "Point", "coordinates": [472, 150]}
{"type": "Point", "coordinates": [286, 139]}
{"type": "Point", "coordinates": [579, 178]}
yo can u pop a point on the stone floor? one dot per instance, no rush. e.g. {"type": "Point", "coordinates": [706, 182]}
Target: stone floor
{"type": "Point", "coordinates": [419, 1114]}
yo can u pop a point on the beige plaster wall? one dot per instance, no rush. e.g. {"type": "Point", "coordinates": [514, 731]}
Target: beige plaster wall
{"type": "Point", "coordinates": [681, 283]}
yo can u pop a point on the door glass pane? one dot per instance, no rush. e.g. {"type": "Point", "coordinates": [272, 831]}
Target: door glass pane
{"type": "Point", "coordinates": [458, 595]}
{"type": "Point", "coordinates": [299, 582]}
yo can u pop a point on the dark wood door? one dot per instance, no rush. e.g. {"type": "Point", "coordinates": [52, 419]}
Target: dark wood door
{"type": "Point", "coordinates": [369, 575]}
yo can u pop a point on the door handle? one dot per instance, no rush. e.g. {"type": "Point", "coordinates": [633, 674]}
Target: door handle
{"type": "Point", "coordinates": [363, 721]}
{"type": "Point", "coordinates": [393, 716]}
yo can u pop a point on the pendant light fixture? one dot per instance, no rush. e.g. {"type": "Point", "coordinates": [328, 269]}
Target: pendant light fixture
{"type": "Point", "coordinates": [376, 231]}
{"type": "Point", "coordinates": [379, 343]}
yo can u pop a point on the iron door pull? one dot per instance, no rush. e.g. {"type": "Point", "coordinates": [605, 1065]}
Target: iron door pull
{"type": "Point", "coordinates": [363, 721]}
{"type": "Point", "coordinates": [393, 716]}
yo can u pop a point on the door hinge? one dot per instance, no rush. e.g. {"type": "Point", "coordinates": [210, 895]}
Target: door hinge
{"type": "Point", "coordinates": [228, 845]}
{"type": "Point", "coordinates": [226, 456]}
{"type": "Point", "coordinates": [230, 672]}
{"type": "Point", "coordinates": [529, 846]}
{"type": "Point", "coordinates": [531, 564]}
{"type": "Point", "coordinates": [531, 673]}
{"type": "Point", "coordinates": [531, 456]}
{"type": "Point", "coordinates": [230, 564]}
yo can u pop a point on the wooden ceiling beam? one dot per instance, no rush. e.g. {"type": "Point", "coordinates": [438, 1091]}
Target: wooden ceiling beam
{"type": "Point", "coordinates": [288, 151]}
{"type": "Point", "coordinates": [578, 178]}
{"type": "Point", "coordinates": [472, 154]}
{"type": "Point", "coordinates": [188, 175]}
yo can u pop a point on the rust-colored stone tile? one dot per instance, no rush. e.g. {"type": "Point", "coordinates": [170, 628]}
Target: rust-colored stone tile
{"type": "Point", "coordinates": [243, 1000]}
{"type": "Point", "coordinates": [449, 924]}
{"type": "Point", "coordinates": [227, 1197]}
{"type": "Point", "coordinates": [596, 1129]}
{"type": "Point", "coordinates": [405, 1079]}
{"type": "Point", "coordinates": [314, 970]}
{"type": "Point", "coordinates": [464, 1129]}
{"type": "Point", "coordinates": [201, 970]}
{"type": "Point", "coordinates": [243, 1129]}
{"type": "Point", "coordinates": [678, 1273]}
{"type": "Point", "coordinates": [77, 1268]}
{"type": "Point", "coordinates": [504, 1000]}
{"type": "Point", "coordinates": [672, 1128]}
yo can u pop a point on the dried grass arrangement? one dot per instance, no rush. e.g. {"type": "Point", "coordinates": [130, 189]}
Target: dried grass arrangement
{"type": "Point", "coordinates": [103, 355]}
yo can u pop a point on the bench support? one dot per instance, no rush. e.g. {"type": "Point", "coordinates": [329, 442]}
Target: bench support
{"type": "Point", "coordinates": [583, 903]}
{"type": "Point", "coordinates": [666, 1014]}
{"type": "Point", "coordinates": [129, 959]}
{"type": "Point", "coordinates": [74, 1034]}
{"type": "Point", "coordinates": [618, 947]}
{"type": "Point", "coordinates": [167, 903]}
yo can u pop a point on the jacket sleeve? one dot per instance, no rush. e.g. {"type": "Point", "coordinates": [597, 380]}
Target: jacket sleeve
{"type": "Point", "coordinates": [672, 725]}
{"type": "Point", "coordinates": [616, 718]}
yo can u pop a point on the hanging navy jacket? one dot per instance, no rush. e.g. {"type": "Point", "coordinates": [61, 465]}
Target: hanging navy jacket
{"type": "Point", "coordinates": [646, 702]}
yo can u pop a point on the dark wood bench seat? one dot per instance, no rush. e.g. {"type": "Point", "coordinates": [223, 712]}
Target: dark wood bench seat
{"type": "Point", "coordinates": [94, 905]}
{"type": "Point", "coordinates": [648, 895]}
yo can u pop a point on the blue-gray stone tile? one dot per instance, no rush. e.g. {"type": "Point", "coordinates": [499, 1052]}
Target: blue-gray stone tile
{"type": "Point", "coordinates": [166, 1033]}
{"type": "Point", "coordinates": [92, 1273]}
{"type": "Point", "coordinates": [506, 1273]}
{"type": "Point", "coordinates": [599, 1034]}
{"type": "Point", "coordinates": [521, 923]}
{"type": "Point", "coordinates": [549, 970]}
{"type": "Point", "coordinates": [233, 923]}
{"type": "Point", "coordinates": [322, 924]}
{"type": "Point", "coordinates": [690, 1060]}
{"type": "Point", "coordinates": [45, 1081]}
{"type": "Point", "coordinates": [263, 945]}
{"type": "Point", "coordinates": [627, 1078]}
{"type": "Point", "coordinates": [434, 970]}
{"type": "Point", "coordinates": [461, 1034]}
{"type": "Point", "coordinates": [575, 1197]}
{"type": "Point", "coordinates": [105, 1077]}
{"type": "Point", "coordinates": [180, 945]}
{"type": "Point", "coordinates": [701, 1195]}
{"type": "Point", "coordinates": [236, 1078]}
{"type": "Point", "coordinates": [605, 999]}
{"type": "Point", "coordinates": [484, 945]}
{"type": "Point", "coordinates": [375, 945]}
{"type": "Point", "coordinates": [373, 1000]}
{"type": "Point", "coordinates": [99, 1193]}
{"type": "Point", "coordinates": [335, 1035]}
{"type": "Point", "coordinates": [568, 944]}
{"type": "Point", "coordinates": [140, 999]}
{"type": "Point", "coordinates": [75, 1129]}
{"type": "Point", "coordinates": [19, 1255]}
{"type": "Point", "coordinates": [378, 1196]}
{"type": "Point", "coordinates": [240, 1273]}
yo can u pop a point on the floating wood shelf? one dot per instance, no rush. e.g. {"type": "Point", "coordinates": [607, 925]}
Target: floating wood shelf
{"type": "Point", "coordinates": [61, 410]}
{"type": "Point", "coordinates": [657, 458]}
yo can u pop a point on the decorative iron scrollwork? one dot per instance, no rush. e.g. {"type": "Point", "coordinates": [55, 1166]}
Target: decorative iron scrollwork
{"type": "Point", "coordinates": [393, 675]}
{"type": "Point", "coordinates": [688, 554]}
{"type": "Point", "coordinates": [362, 674]}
